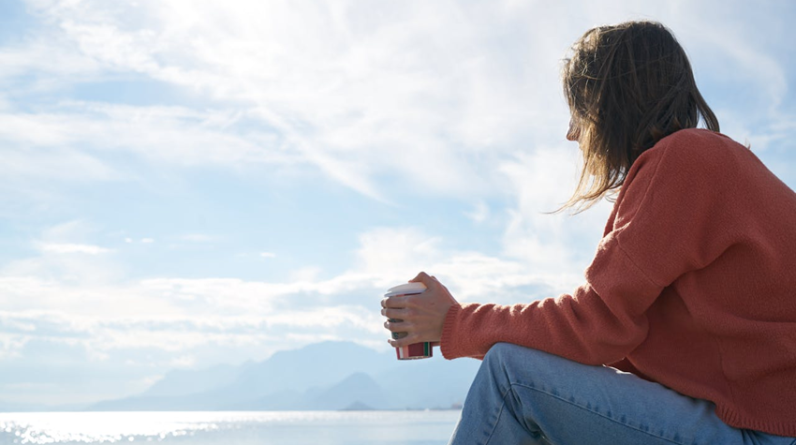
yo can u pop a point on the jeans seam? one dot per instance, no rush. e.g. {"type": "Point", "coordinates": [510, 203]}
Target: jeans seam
{"type": "Point", "coordinates": [500, 413]}
{"type": "Point", "coordinates": [532, 388]}
{"type": "Point", "coordinates": [497, 419]}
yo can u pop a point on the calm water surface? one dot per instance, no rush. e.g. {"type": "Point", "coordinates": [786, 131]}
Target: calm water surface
{"type": "Point", "coordinates": [205, 428]}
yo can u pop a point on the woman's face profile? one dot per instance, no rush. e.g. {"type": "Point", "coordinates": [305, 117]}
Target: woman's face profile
{"type": "Point", "coordinates": [573, 133]}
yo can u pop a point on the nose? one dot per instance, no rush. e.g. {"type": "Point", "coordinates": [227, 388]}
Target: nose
{"type": "Point", "coordinates": [573, 133]}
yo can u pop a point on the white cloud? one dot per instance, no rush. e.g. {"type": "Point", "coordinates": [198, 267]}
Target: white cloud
{"type": "Point", "coordinates": [173, 135]}
{"type": "Point", "coordinates": [480, 213]}
{"type": "Point", "coordinates": [54, 164]}
{"type": "Point", "coordinates": [197, 238]}
{"type": "Point", "coordinates": [66, 254]}
{"type": "Point", "coordinates": [360, 92]}
{"type": "Point", "coordinates": [73, 248]}
{"type": "Point", "coordinates": [305, 274]}
{"type": "Point", "coordinates": [356, 97]}
{"type": "Point", "coordinates": [396, 254]}
{"type": "Point", "coordinates": [11, 346]}
{"type": "Point", "coordinates": [559, 243]}
{"type": "Point", "coordinates": [184, 361]}
{"type": "Point", "coordinates": [267, 254]}
{"type": "Point", "coordinates": [52, 59]}
{"type": "Point", "coordinates": [192, 312]}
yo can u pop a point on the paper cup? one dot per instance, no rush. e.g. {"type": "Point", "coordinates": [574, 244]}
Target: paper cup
{"type": "Point", "coordinates": [416, 350]}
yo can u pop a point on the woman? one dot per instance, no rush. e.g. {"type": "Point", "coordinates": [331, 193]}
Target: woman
{"type": "Point", "coordinates": [685, 329]}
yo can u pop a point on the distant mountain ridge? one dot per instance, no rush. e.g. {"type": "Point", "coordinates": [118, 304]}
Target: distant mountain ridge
{"type": "Point", "coordinates": [182, 382]}
{"type": "Point", "coordinates": [321, 376]}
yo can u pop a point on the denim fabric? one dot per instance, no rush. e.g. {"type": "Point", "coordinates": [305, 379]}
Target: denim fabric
{"type": "Point", "coordinates": [525, 396]}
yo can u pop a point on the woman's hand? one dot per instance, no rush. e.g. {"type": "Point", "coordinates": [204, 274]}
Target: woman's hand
{"type": "Point", "coordinates": [422, 315]}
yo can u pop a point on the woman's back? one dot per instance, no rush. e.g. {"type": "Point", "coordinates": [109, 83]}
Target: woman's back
{"type": "Point", "coordinates": [703, 219]}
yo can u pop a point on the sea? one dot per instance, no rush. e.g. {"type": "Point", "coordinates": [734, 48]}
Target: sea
{"type": "Point", "coordinates": [231, 428]}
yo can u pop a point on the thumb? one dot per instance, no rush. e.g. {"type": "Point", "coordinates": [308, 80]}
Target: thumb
{"type": "Point", "coordinates": [424, 278]}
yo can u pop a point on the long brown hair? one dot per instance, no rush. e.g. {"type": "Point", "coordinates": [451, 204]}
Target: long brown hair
{"type": "Point", "coordinates": [628, 86]}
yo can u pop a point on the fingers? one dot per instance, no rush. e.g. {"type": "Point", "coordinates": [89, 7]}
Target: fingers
{"type": "Point", "coordinates": [396, 302]}
{"type": "Point", "coordinates": [395, 325]}
{"type": "Point", "coordinates": [400, 302]}
{"type": "Point", "coordinates": [394, 313]}
{"type": "Point", "coordinates": [405, 341]}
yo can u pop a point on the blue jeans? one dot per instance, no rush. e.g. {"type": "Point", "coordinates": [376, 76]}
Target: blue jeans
{"type": "Point", "coordinates": [525, 396]}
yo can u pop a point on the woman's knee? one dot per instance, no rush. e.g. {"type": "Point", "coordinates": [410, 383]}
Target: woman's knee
{"type": "Point", "coordinates": [528, 366]}
{"type": "Point", "coordinates": [508, 353]}
{"type": "Point", "coordinates": [501, 351]}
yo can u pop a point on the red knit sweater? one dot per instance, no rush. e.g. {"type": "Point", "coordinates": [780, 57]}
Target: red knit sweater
{"type": "Point", "coordinates": [693, 286]}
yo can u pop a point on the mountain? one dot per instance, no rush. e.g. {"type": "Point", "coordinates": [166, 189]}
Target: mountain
{"type": "Point", "coordinates": [356, 390]}
{"type": "Point", "coordinates": [319, 364]}
{"type": "Point", "coordinates": [321, 376]}
{"type": "Point", "coordinates": [183, 382]}
{"type": "Point", "coordinates": [357, 406]}
{"type": "Point", "coordinates": [429, 383]}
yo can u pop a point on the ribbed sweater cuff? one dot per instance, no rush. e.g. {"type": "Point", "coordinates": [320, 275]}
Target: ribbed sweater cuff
{"type": "Point", "coordinates": [447, 343]}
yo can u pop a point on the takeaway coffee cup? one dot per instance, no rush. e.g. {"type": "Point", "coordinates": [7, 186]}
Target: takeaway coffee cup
{"type": "Point", "coordinates": [416, 350]}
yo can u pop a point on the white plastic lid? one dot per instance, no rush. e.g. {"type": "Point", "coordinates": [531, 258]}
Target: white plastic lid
{"type": "Point", "coordinates": [405, 289]}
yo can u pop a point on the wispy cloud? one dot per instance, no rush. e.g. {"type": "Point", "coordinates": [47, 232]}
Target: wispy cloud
{"type": "Point", "coordinates": [73, 248]}
{"type": "Point", "coordinates": [167, 134]}
{"type": "Point", "coordinates": [374, 99]}
{"type": "Point", "coordinates": [356, 92]}
{"type": "Point", "coordinates": [348, 301]}
{"type": "Point", "coordinates": [480, 213]}
{"type": "Point", "coordinates": [197, 238]}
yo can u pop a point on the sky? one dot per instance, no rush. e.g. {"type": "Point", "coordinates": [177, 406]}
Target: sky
{"type": "Point", "coordinates": [188, 183]}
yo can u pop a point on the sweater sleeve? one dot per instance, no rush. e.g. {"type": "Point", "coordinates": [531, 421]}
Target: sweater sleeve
{"type": "Point", "coordinates": [583, 327]}
{"type": "Point", "coordinates": [661, 227]}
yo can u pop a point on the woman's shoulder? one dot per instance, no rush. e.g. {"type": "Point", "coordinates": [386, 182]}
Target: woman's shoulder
{"type": "Point", "coordinates": [684, 162]}
{"type": "Point", "coordinates": [697, 151]}
{"type": "Point", "coordinates": [696, 142]}
{"type": "Point", "coordinates": [706, 161]}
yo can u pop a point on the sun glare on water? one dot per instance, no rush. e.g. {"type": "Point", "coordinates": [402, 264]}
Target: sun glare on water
{"type": "Point", "coordinates": [202, 428]}
{"type": "Point", "coordinates": [45, 428]}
